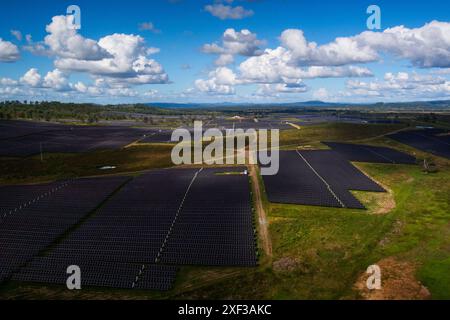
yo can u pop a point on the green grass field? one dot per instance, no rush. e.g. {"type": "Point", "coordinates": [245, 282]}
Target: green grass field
{"type": "Point", "coordinates": [318, 253]}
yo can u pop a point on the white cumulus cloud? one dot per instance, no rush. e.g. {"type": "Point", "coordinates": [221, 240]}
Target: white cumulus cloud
{"type": "Point", "coordinates": [224, 12]}
{"type": "Point", "coordinates": [31, 78]}
{"type": "Point", "coordinates": [243, 43]}
{"type": "Point", "coordinates": [56, 80]}
{"type": "Point", "coordinates": [148, 26]}
{"type": "Point", "coordinates": [8, 51]}
{"type": "Point", "coordinates": [64, 41]}
{"type": "Point", "coordinates": [402, 85]}
{"type": "Point", "coordinates": [221, 81]}
{"type": "Point", "coordinates": [17, 34]}
{"type": "Point", "coordinates": [122, 58]}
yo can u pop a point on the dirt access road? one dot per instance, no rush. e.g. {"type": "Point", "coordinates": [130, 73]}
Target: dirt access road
{"type": "Point", "coordinates": [262, 216]}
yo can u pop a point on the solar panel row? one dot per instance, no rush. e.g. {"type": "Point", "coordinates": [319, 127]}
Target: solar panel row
{"type": "Point", "coordinates": [245, 124]}
{"type": "Point", "coordinates": [16, 198]}
{"type": "Point", "coordinates": [157, 277]}
{"type": "Point", "coordinates": [32, 229]}
{"type": "Point", "coordinates": [373, 154]}
{"type": "Point", "coordinates": [117, 235]}
{"type": "Point", "coordinates": [58, 138]}
{"type": "Point", "coordinates": [320, 177]}
{"type": "Point", "coordinates": [296, 183]}
{"type": "Point", "coordinates": [157, 137]}
{"type": "Point", "coordinates": [341, 175]}
{"type": "Point", "coordinates": [12, 128]}
{"type": "Point", "coordinates": [163, 214]}
{"type": "Point", "coordinates": [434, 141]}
{"type": "Point", "coordinates": [215, 225]}
{"type": "Point", "coordinates": [98, 273]}
{"type": "Point", "coordinates": [338, 171]}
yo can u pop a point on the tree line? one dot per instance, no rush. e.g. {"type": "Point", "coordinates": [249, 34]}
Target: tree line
{"type": "Point", "coordinates": [84, 112]}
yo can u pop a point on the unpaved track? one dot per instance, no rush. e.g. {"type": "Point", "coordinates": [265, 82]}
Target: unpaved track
{"type": "Point", "coordinates": [262, 216]}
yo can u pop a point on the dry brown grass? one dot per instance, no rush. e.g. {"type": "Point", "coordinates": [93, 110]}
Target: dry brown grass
{"type": "Point", "coordinates": [398, 282]}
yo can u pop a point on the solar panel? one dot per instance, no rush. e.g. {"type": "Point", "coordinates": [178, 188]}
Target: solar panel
{"type": "Point", "coordinates": [156, 222]}
{"type": "Point", "coordinates": [28, 231]}
{"type": "Point", "coordinates": [434, 141]}
{"type": "Point", "coordinates": [157, 137]}
{"type": "Point", "coordinates": [215, 225]}
{"type": "Point", "coordinates": [28, 138]}
{"type": "Point", "coordinates": [337, 171]}
{"type": "Point", "coordinates": [374, 154]}
{"type": "Point", "coordinates": [320, 177]}
{"type": "Point", "coordinates": [15, 128]}
{"type": "Point", "coordinates": [296, 183]}
{"type": "Point", "coordinates": [96, 273]}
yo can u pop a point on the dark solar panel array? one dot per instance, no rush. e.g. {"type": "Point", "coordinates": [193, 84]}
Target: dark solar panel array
{"type": "Point", "coordinates": [95, 273]}
{"type": "Point", "coordinates": [337, 170]}
{"type": "Point", "coordinates": [341, 175]}
{"type": "Point", "coordinates": [373, 154]}
{"type": "Point", "coordinates": [215, 225]}
{"type": "Point", "coordinates": [157, 277]}
{"type": "Point", "coordinates": [25, 138]}
{"type": "Point", "coordinates": [434, 141]}
{"type": "Point", "coordinates": [389, 121]}
{"type": "Point", "coordinates": [315, 119]}
{"type": "Point", "coordinates": [13, 129]}
{"type": "Point", "coordinates": [157, 137]}
{"type": "Point", "coordinates": [321, 178]}
{"type": "Point", "coordinates": [445, 137]}
{"type": "Point", "coordinates": [98, 273]}
{"type": "Point", "coordinates": [16, 198]}
{"type": "Point", "coordinates": [33, 228]}
{"type": "Point", "coordinates": [130, 230]}
{"type": "Point", "coordinates": [245, 124]}
{"type": "Point", "coordinates": [155, 222]}
{"type": "Point", "coordinates": [296, 183]}
{"type": "Point", "coordinates": [65, 139]}
{"type": "Point", "coordinates": [131, 226]}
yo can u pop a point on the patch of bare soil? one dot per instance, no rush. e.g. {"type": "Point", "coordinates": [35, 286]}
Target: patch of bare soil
{"type": "Point", "coordinates": [398, 282]}
{"type": "Point", "coordinates": [385, 201]}
{"type": "Point", "coordinates": [289, 264]}
{"type": "Point", "coordinates": [396, 230]}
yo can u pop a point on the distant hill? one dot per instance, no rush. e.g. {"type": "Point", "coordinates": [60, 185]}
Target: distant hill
{"type": "Point", "coordinates": [196, 105]}
{"type": "Point", "coordinates": [233, 104]}
{"type": "Point", "coordinates": [315, 104]}
{"type": "Point", "coordinates": [414, 105]}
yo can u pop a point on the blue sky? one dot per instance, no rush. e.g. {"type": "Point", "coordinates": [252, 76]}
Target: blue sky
{"type": "Point", "coordinates": [273, 51]}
